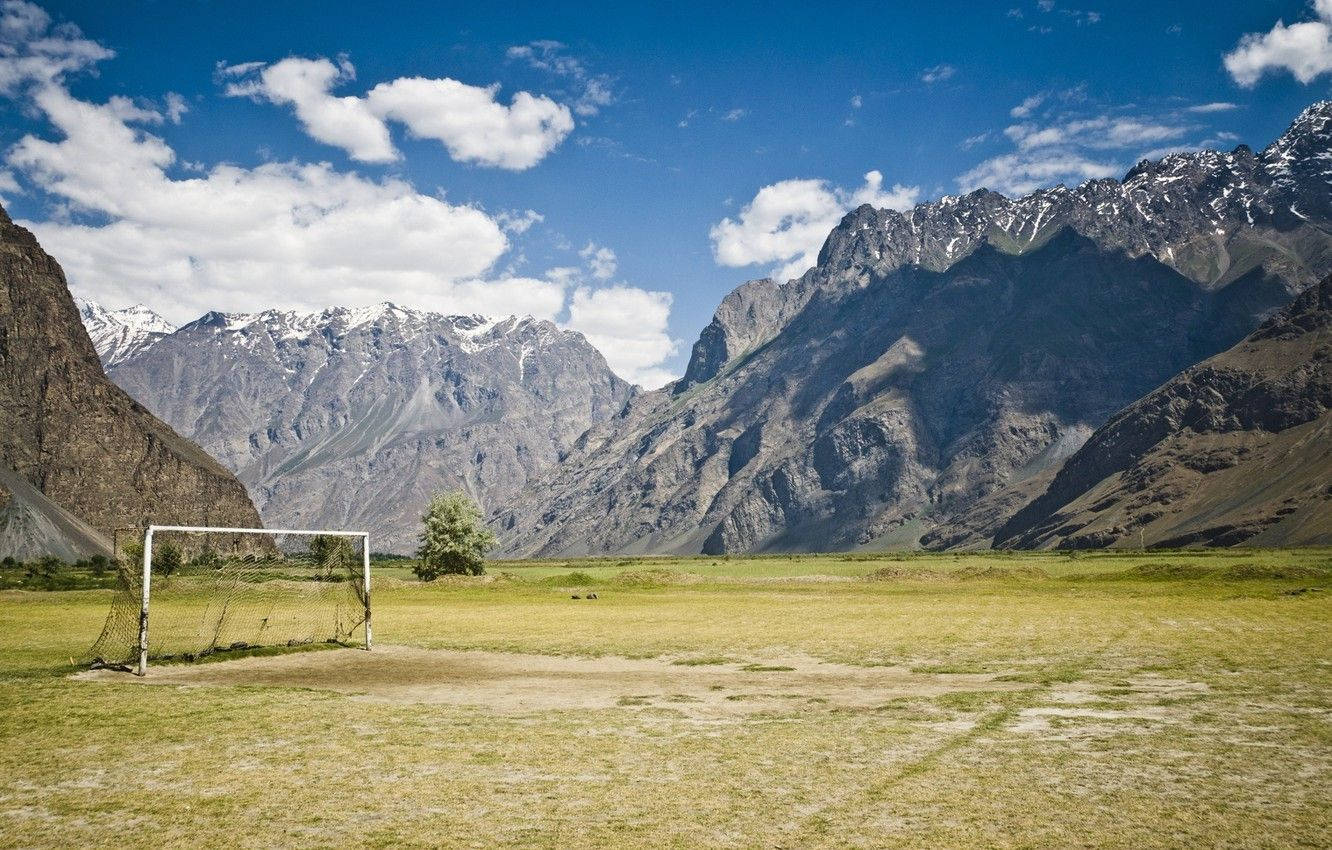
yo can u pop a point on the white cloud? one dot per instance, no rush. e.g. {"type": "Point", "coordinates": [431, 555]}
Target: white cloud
{"type": "Point", "coordinates": [1101, 133]}
{"type": "Point", "coordinates": [787, 222]}
{"type": "Point", "coordinates": [1304, 49]}
{"type": "Point", "coordinates": [857, 101]}
{"type": "Point", "coordinates": [176, 107]}
{"type": "Point", "coordinates": [592, 93]}
{"type": "Point", "coordinates": [937, 74]}
{"type": "Point", "coordinates": [601, 261]}
{"type": "Point", "coordinates": [972, 141]}
{"type": "Point", "coordinates": [32, 50]}
{"type": "Point", "coordinates": [735, 115]}
{"type": "Point", "coordinates": [628, 326]}
{"type": "Point", "coordinates": [1020, 174]}
{"type": "Point", "coordinates": [1026, 107]}
{"type": "Point", "coordinates": [304, 84]}
{"type": "Point", "coordinates": [286, 235]}
{"type": "Point", "coordinates": [518, 222]}
{"type": "Point", "coordinates": [471, 123]}
{"type": "Point", "coordinates": [468, 120]}
{"type": "Point", "coordinates": [290, 235]}
{"type": "Point", "coordinates": [1056, 141]}
{"type": "Point", "coordinates": [8, 186]}
{"type": "Point", "coordinates": [1206, 108]}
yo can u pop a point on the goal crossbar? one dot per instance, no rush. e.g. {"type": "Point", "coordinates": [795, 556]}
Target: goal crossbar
{"type": "Point", "coordinates": [148, 569]}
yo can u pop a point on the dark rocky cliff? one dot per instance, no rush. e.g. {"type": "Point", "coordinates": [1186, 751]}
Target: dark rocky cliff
{"type": "Point", "coordinates": [75, 436]}
{"type": "Point", "coordinates": [1237, 449]}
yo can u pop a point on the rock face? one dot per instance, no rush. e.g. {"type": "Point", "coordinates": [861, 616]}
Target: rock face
{"type": "Point", "coordinates": [77, 440]}
{"type": "Point", "coordinates": [937, 366]}
{"type": "Point", "coordinates": [120, 334]}
{"type": "Point", "coordinates": [1237, 449]}
{"type": "Point", "coordinates": [354, 418]}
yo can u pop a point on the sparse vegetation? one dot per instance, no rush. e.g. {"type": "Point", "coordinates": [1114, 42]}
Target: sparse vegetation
{"type": "Point", "coordinates": [1145, 709]}
{"type": "Point", "coordinates": [54, 574]}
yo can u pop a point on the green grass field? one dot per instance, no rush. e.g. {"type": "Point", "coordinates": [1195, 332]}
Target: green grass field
{"type": "Point", "coordinates": [1105, 700]}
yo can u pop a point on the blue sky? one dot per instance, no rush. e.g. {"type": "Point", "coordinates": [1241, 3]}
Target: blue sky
{"type": "Point", "coordinates": [630, 165]}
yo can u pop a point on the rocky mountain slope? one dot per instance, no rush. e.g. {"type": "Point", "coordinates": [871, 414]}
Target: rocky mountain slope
{"type": "Point", "coordinates": [353, 418]}
{"type": "Point", "coordinates": [935, 359]}
{"type": "Point", "coordinates": [1237, 449]}
{"type": "Point", "coordinates": [83, 451]}
{"type": "Point", "coordinates": [120, 334]}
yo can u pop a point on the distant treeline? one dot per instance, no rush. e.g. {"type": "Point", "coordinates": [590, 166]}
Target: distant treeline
{"type": "Point", "coordinates": [50, 573]}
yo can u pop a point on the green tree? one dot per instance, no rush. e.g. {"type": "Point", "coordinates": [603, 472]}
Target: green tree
{"type": "Point", "coordinates": [333, 556]}
{"type": "Point", "coordinates": [455, 540]}
{"type": "Point", "coordinates": [166, 559]}
{"type": "Point", "coordinates": [43, 570]}
{"type": "Point", "coordinates": [206, 558]}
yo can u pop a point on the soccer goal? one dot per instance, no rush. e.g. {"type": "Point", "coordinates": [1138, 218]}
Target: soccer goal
{"type": "Point", "coordinates": [186, 592]}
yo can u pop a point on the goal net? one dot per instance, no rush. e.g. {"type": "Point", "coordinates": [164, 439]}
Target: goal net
{"type": "Point", "coordinates": [185, 593]}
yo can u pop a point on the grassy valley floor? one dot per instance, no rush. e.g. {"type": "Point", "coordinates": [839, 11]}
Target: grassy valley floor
{"type": "Point", "coordinates": [1099, 700]}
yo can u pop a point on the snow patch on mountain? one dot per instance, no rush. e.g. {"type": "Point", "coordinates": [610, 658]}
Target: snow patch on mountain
{"type": "Point", "coordinates": [120, 334]}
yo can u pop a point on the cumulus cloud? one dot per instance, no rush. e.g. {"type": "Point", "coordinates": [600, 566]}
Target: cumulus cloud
{"type": "Point", "coordinates": [176, 107]}
{"type": "Point", "coordinates": [628, 325]}
{"type": "Point", "coordinates": [601, 261]}
{"type": "Point", "coordinates": [1304, 49]}
{"type": "Point", "coordinates": [518, 222]}
{"type": "Point", "coordinates": [788, 221]}
{"type": "Point", "coordinates": [304, 84]}
{"type": "Point", "coordinates": [33, 50]}
{"type": "Point", "coordinates": [135, 225]}
{"type": "Point", "coordinates": [471, 123]}
{"type": "Point", "coordinates": [468, 120]}
{"type": "Point", "coordinates": [592, 92]}
{"type": "Point", "coordinates": [286, 234]}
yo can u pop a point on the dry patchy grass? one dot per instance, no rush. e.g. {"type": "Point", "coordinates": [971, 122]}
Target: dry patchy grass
{"type": "Point", "coordinates": [1099, 705]}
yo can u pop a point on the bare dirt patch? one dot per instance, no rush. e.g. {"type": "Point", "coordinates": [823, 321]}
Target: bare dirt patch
{"type": "Point", "coordinates": [512, 683]}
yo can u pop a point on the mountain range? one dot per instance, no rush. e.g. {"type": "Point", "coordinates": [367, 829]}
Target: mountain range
{"type": "Point", "coordinates": [120, 334]}
{"type": "Point", "coordinates": [941, 378]}
{"type": "Point", "coordinates": [936, 367]}
{"type": "Point", "coordinates": [354, 418]}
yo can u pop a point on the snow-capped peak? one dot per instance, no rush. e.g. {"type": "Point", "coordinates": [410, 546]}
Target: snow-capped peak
{"type": "Point", "coordinates": [122, 333]}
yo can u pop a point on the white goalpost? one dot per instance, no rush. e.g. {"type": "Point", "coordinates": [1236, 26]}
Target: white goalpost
{"type": "Point", "coordinates": [198, 590]}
